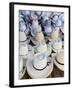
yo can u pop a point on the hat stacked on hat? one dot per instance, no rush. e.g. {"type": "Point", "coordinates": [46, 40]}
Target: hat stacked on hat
{"type": "Point", "coordinates": [40, 67]}
{"type": "Point", "coordinates": [40, 33]}
{"type": "Point", "coordinates": [40, 61]}
{"type": "Point", "coordinates": [57, 44]}
{"type": "Point", "coordinates": [23, 48]}
{"type": "Point", "coordinates": [59, 59]}
{"type": "Point", "coordinates": [38, 37]}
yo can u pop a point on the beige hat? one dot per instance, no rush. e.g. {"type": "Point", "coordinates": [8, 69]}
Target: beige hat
{"type": "Point", "coordinates": [59, 62]}
{"type": "Point", "coordinates": [56, 44]}
{"type": "Point", "coordinates": [23, 48]}
{"type": "Point", "coordinates": [35, 73]}
{"type": "Point", "coordinates": [39, 36]}
{"type": "Point", "coordinates": [42, 48]}
{"type": "Point", "coordinates": [40, 61]}
{"type": "Point", "coordinates": [60, 56]}
{"type": "Point", "coordinates": [55, 34]}
{"type": "Point", "coordinates": [22, 66]}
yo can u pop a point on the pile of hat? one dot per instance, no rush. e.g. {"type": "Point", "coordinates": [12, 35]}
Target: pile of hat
{"type": "Point", "coordinates": [40, 32]}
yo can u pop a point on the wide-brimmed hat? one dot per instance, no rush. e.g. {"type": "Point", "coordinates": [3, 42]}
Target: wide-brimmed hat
{"type": "Point", "coordinates": [39, 73]}
{"type": "Point", "coordinates": [58, 62]}
{"type": "Point", "coordinates": [22, 66]}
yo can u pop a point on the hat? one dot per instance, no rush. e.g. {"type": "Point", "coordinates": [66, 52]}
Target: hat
{"type": "Point", "coordinates": [59, 62]}
{"type": "Point", "coordinates": [39, 73]}
{"type": "Point", "coordinates": [22, 67]}
{"type": "Point", "coordinates": [40, 61]}
{"type": "Point", "coordinates": [39, 36]}
{"type": "Point", "coordinates": [56, 44]}
{"type": "Point", "coordinates": [41, 47]}
{"type": "Point", "coordinates": [60, 56]}
{"type": "Point", "coordinates": [23, 48]}
{"type": "Point", "coordinates": [54, 34]}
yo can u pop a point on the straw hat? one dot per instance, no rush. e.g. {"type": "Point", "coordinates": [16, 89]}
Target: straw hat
{"type": "Point", "coordinates": [22, 66]}
{"type": "Point", "coordinates": [56, 44]}
{"type": "Point", "coordinates": [40, 61]}
{"type": "Point", "coordinates": [23, 48]}
{"type": "Point", "coordinates": [39, 36]}
{"type": "Point", "coordinates": [39, 73]}
{"type": "Point", "coordinates": [58, 59]}
{"type": "Point", "coordinates": [55, 33]}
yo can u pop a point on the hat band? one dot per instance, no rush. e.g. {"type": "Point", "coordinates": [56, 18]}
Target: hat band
{"type": "Point", "coordinates": [39, 69]}
{"type": "Point", "coordinates": [58, 62]}
{"type": "Point", "coordinates": [42, 68]}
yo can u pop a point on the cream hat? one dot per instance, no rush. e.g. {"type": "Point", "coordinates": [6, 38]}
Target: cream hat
{"type": "Point", "coordinates": [40, 61]}
{"type": "Point", "coordinates": [60, 56]}
{"type": "Point", "coordinates": [34, 73]}
{"type": "Point", "coordinates": [23, 49]}
{"type": "Point", "coordinates": [58, 62]}
{"type": "Point", "coordinates": [40, 47]}
{"type": "Point", "coordinates": [56, 44]}
{"type": "Point", "coordinates": [55, 33]}
{"type": "Point", "coordinates": [39, 36]}
{"type": "Point", "coordinates": [22, 66]}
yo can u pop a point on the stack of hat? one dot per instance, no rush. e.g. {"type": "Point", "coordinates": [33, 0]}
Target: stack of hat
{"type": "Point", "coordinates": [38, 37]}
{"type": "Point", "coordinates": [44, 30]}
{"type": "Point", "coordinates": [56, 44]}
{"type": "Point", "coordinates": [23, 53]}
{"type": "Point", "coordinates": [36, 32]}
{"type": "Point", "coordinates": [23, 44]}
{"type": "Point", "coordinates": [59, 59]}
{"type": "Point", "coordinates": [22, 66]}
{"type": "Point", "coordinates": [55, 33]}
{"type": "Point", "coordinates": [40, 66]}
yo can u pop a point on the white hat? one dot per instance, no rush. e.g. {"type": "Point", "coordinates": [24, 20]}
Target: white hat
{"type": "Point", "coordinates": [34, 73]}
{"type": "Point", "coordinates": [60, 56]}
{"type": "Point", "coordinates": [40, 61]}
{"type": "Point", "coordinates": [59, 64]}
{"type": "Point", "coordinates": [22, 66]}
{"type": "Point", "coordinates": [23, 49]}
{"type": "Point", "coordinates": [56, 44]}
{"type": "Point", "coordinates": [41, 47]}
